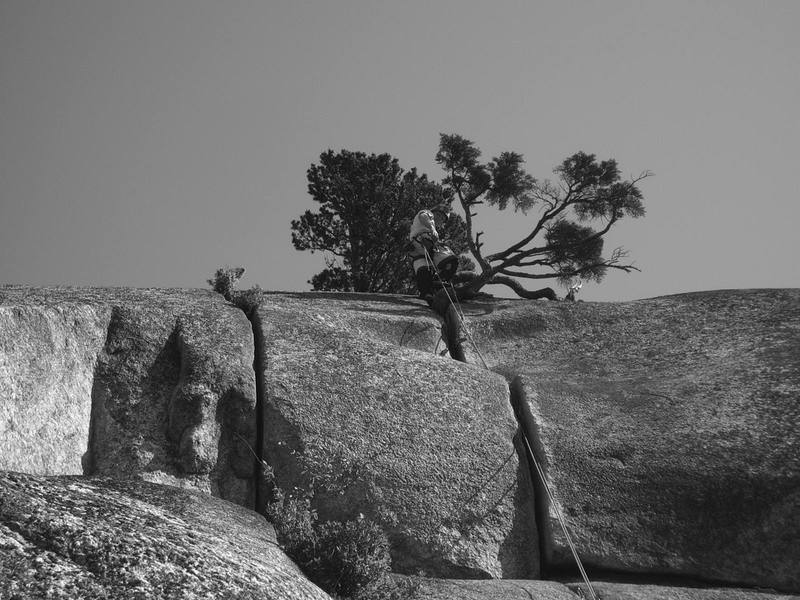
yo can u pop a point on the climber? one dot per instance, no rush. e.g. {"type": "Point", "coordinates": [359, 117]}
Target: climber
{"type": "Point", "coordinates": [429, 255]}
{"type": "Point", "coordinates": [573, 289]}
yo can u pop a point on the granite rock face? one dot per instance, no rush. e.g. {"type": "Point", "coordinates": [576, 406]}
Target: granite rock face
{"type": "Point", "coordinates": [421, 444]}
{"type": "Point", "coordinates": [166, 374]}
{"type": "Point", "coordinates": [76, 537]}
{"type": "Point", "coordinates": [520, 589]}
{"type": "Point", "coordinates": [668, 428]}
{"type": "Point", "coordinates": [401, 321]}
{"type": "Point", "coordinates": [48, 355]}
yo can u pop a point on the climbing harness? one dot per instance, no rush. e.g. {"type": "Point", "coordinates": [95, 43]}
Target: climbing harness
{"type": "Point", "coordinates": [573, 289]}
{"type": "Point", "coordinates": [551, 498]}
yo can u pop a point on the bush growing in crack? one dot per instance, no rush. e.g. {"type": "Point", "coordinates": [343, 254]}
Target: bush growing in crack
{"type": "Point", "coordinates": [249, 299]}
{"type": "Point", "coordinates": [224, 282]}
{"type": "Point", "coordinates": [225, 279]}
{"type": "Point", "coordinates": [348, 559]}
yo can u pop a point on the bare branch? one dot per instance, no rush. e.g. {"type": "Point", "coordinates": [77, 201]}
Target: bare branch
{"type": "Point", "coordinates": [528, 275]}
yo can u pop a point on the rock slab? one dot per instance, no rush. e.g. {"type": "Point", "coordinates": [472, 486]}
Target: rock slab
{"type": "Point", "coordinates": [668, 429]}
{"type": "Point", "coordinates": [48, 356]}
{"type": "Point", "coordinates": [91, 538]}
{"type": "Point", "coordinates": [371, 427]}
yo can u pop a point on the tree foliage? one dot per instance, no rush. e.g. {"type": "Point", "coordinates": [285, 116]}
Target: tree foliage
{"type": "Point", "coordinates": [366, 205]}
{"type": "Point", "coordinates": [225, 279]}
{"type": "Point", "coordinates": [574, 213]}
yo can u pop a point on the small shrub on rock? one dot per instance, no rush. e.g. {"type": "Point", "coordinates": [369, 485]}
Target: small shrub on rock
{"type": "Point", "coordinates": [224, 282]}
{"type": "Point", "coordinates": [247, 300]}
{"type": "Point", "coordinates": [225, 279]}
{"type": "Point", "coordinates": [350, 556]}
{"type": "Point", "coordinates": [294, 520]}
{"type": "Point", "coordinates": [348, 559]}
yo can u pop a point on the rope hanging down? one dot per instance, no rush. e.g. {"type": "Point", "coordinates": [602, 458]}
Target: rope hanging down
{"type": "Point", "coordinates": [560, 517]}
{"type": "Point", "coordinates": [551, 498]}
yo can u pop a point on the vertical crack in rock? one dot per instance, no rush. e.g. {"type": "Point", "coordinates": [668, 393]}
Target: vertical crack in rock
{"type": "Point", "coordinates": [180, 418]}
{"type": "Point", "coordinates": [452, 334]}
{"type": "Point", "coordinates": [258, 370]}
{"type": "Point", "coordinates": [528, 431]}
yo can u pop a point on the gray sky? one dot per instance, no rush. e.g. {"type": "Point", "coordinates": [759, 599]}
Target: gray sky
{"type": "Point", "coordinates": [145, 143]}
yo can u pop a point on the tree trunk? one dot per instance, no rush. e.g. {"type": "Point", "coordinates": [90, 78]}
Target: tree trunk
{"type": "Point", "coordinates": [473, 283]}
{"type": "Point", "coordinates": [452, 327]}
{"type": "Point", "coordinates": [546, 292]}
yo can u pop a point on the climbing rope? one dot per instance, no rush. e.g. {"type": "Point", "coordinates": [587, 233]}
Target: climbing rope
{"type": "Point", "coordinates": [560, 517]}
{"type": "Point", "coordinates": [561, 520]}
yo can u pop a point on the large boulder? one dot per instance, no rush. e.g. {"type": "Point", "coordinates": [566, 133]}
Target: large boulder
{"type": "Point", "coordinates": [368, 426]}
{"type": "Point", "coordinates": [76, 537]}
{"type": "Point", "coordinates": [128, 382]}
{"type": "Point", "coordinates": [668, 428]}
{"type": "Point", "coordinates": [418, 588]}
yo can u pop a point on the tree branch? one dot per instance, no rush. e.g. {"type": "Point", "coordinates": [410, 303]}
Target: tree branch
{"type": "Point", "coordinates": [522, 292]}
{"type": "Point", "coordinates": [520, 263]}
{"type": "Point", "coordinates": [474, 246]}
{"type": "Point", "coordinates": [472, 282]}
{"type": "Point", "coordinates": [528, 275]}
{"type": "Point", "coordinates": [546, 217]}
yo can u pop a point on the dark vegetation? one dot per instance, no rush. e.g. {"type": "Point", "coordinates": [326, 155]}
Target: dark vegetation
{"type": "Point", "coordinates": [367, 203]}
{"type": "Point", "coordinates": [562, 242]}
{"type": "Point", "coordinates": [348, 559]}
{"type": "Point", "coordinates": [224, 282]}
